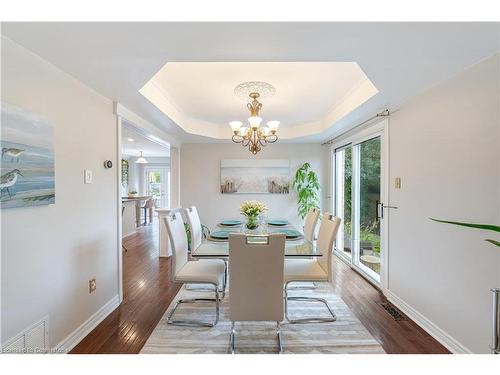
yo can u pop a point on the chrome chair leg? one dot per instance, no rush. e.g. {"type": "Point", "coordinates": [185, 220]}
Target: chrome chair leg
{"type": "Point", "coordinates": [232, 338]}
{"type": "Point", "coordinates": [193, 288]}
{"type": "Point", "coordinates": [278, 332]}
{"type": "Point", "coordinates": [308, 299]}
{"type": "Point", "coordinates": [304, 287]}
{"type": "Point", "coordinates": [196, 323]}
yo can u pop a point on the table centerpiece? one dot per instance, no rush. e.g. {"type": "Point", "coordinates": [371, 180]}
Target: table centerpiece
{"type": "Point", "coordinates": [252, 210]}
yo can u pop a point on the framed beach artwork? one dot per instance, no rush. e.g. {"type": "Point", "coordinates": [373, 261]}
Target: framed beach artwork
{"type": "Point", "coordinates": [251, 176]}
{"type": "Point", "coordinates": [27, 163]}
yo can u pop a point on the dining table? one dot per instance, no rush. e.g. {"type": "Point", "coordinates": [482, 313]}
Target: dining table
{"type": "Point", "coordinates": [217, 244]}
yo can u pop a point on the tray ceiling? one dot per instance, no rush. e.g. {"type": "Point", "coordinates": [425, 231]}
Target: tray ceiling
{"type": "Point", "coordinates": [310, 96]}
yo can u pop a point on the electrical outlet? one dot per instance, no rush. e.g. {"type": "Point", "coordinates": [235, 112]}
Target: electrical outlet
{"type": "Point", "coordinates": [92, 285]}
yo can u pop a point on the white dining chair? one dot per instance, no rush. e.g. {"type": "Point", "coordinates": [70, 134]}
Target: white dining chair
{"type": "Point", "coordinates": [256, 292]}
{"type": "Point", "coordinates": [204, 271]}
{"type": "Point", "coordinates": [196, 233]}
{"type": "Point", "coordinates": [310, 223]}
{"type": "Point", "coordinates": [314, 270]}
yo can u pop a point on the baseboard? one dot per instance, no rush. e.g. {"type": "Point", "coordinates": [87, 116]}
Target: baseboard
{"type": "Point", "coordinates": [84, 329]}
{"type": "Point", "coordinates": [443, 337]}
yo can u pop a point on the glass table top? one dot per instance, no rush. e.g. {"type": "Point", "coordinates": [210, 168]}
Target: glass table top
{"type": "Point", "coordinates": [219, 248]}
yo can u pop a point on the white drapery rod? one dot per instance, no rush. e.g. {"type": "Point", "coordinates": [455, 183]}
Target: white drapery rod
{"type": "Point", "coordinates": [381, 114]}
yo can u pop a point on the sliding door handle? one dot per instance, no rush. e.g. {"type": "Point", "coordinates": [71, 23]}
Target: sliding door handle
{"type": "Point", "coordinates": [393, 207]}
{"type": "Point", "coordinates": [380, 209]}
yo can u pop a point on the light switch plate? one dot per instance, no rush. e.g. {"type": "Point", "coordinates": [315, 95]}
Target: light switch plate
{"type": "Point", "coordinates": [397, 183]}
{"type": "Point", "coordinates": [88, 176]}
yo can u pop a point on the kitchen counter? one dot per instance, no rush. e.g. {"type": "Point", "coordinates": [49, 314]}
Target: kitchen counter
{"type": "Point", "coordinates": [131, 213]}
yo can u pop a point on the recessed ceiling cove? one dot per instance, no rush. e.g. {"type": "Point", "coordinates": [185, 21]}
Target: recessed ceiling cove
{"type": "Point", "coordinates": [309, 98]}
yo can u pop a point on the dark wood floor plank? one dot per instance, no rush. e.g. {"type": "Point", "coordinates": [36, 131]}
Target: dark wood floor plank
{"type": "Point", "coordinates": [148, 291]}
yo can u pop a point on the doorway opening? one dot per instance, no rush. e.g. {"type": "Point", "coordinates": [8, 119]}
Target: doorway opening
{"type": "Point", "coordinates": [145, 186]}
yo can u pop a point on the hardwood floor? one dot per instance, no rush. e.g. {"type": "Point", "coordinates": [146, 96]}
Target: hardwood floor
{"type": "Point", "coordinates": [397, 337]}
{"type": "Point", "coordinates": [148, 291]}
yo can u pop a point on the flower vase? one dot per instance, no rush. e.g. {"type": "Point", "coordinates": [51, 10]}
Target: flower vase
{"type": "Point", "coordinates": [252, 222]}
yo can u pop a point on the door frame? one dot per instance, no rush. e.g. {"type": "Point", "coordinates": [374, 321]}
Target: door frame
{"type": "Point", "coordinates": [356, 136]}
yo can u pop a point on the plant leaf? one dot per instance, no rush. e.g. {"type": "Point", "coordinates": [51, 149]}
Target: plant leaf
{"type": "Point", "coordinates": [491, 227]}
{"type": "Point", "coordinates": [493, 242]}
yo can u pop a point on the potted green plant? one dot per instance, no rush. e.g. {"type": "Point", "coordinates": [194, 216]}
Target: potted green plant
{"type": "Point", "coordinates": [251, 210]}
{"type": "Point", "coordinates": [306, 184]}
{"type": "Point", "coordinates": [132, 193]}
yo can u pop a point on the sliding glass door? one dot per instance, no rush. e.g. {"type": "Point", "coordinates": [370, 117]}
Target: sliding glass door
{"type": "Point", "coordinates": [368, 223]}
{"type": "Point", "coordinates": [358, 177]}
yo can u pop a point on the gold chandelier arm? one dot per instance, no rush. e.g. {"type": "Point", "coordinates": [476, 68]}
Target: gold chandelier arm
{"type": "Point", "coordinates": [237, 138]}
{"type": "Point", "coordinates": [271, 138]}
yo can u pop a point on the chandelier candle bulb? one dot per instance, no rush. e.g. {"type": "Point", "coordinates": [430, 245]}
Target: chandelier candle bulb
{"type": "Point", "coordinates": [273, 126]}
{"type": "Point", "coordinates": [235, 126]}
{"type": "Point", "coordinates": [254, 121]}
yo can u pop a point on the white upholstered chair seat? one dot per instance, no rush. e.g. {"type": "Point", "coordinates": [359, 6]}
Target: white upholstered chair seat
{"type": "Point", "coordinates": [304, 269]}
{"type": "Point", "coordinates": [202, 271]}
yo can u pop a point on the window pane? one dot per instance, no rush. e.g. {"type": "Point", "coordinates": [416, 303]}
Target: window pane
{"type": "Point", "coordinates": [343, 202]}
{"type": "Point", "coordinates": [369, 186]}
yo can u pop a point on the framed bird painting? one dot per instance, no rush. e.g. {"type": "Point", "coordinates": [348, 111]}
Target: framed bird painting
{"type": "Point", "coordinates": [27, 162]}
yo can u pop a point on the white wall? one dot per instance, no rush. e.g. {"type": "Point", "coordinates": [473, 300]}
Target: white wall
{"type": "Point", "coordinates": [445, 146]}
{"type": "Point", "coordinates": [49, 253]}
{"type": "Point", "coordinates": [200, 178]}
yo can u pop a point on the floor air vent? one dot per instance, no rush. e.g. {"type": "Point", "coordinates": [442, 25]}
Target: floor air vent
{"type": "Point", "coordinates": [393, 311]}
{"type": "Point", "coordinates": [33, 340]}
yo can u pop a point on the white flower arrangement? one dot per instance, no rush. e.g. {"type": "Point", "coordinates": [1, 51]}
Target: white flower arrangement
{"type": "Point", "coordinates": [252, 209]}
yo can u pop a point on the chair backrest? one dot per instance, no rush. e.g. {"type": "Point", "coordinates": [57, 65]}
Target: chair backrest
{"type": "Point", "coordinates": [194, 223]}
{"type": "Point", "coordinates": [326, 237]}
{"type": "Point", "coordinates": [178, 241]}
{"type": "Point", "coordinates": [150, 203]}
{"type": "Point", "coordinates": [256, 292]}
{"type": "Point", "coordinates": [310, 223]}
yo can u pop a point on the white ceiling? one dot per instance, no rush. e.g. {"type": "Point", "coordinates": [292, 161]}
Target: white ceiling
{"type": "Point", "coordinates": [310, 96]}
{"type": "Point", "coordinates": [118, 59]}
{"type": "Point", "coordinates": [141, 143]}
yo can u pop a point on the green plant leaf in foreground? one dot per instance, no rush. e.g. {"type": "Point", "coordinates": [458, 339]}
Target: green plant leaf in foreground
{"type": "Point", "coordinates": [494, 242]}
{"type": "Point", "coordinates": [494, 228]}
{"type": "Point", "coordinates": [491, 227]}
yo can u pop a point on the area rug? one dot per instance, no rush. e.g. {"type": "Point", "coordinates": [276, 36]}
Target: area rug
{"type": "Point", "coordinates": [346, 335]}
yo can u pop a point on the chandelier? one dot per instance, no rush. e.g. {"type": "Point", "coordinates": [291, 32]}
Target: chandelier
{"type": "Point", "coordinates": [254, 136]}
